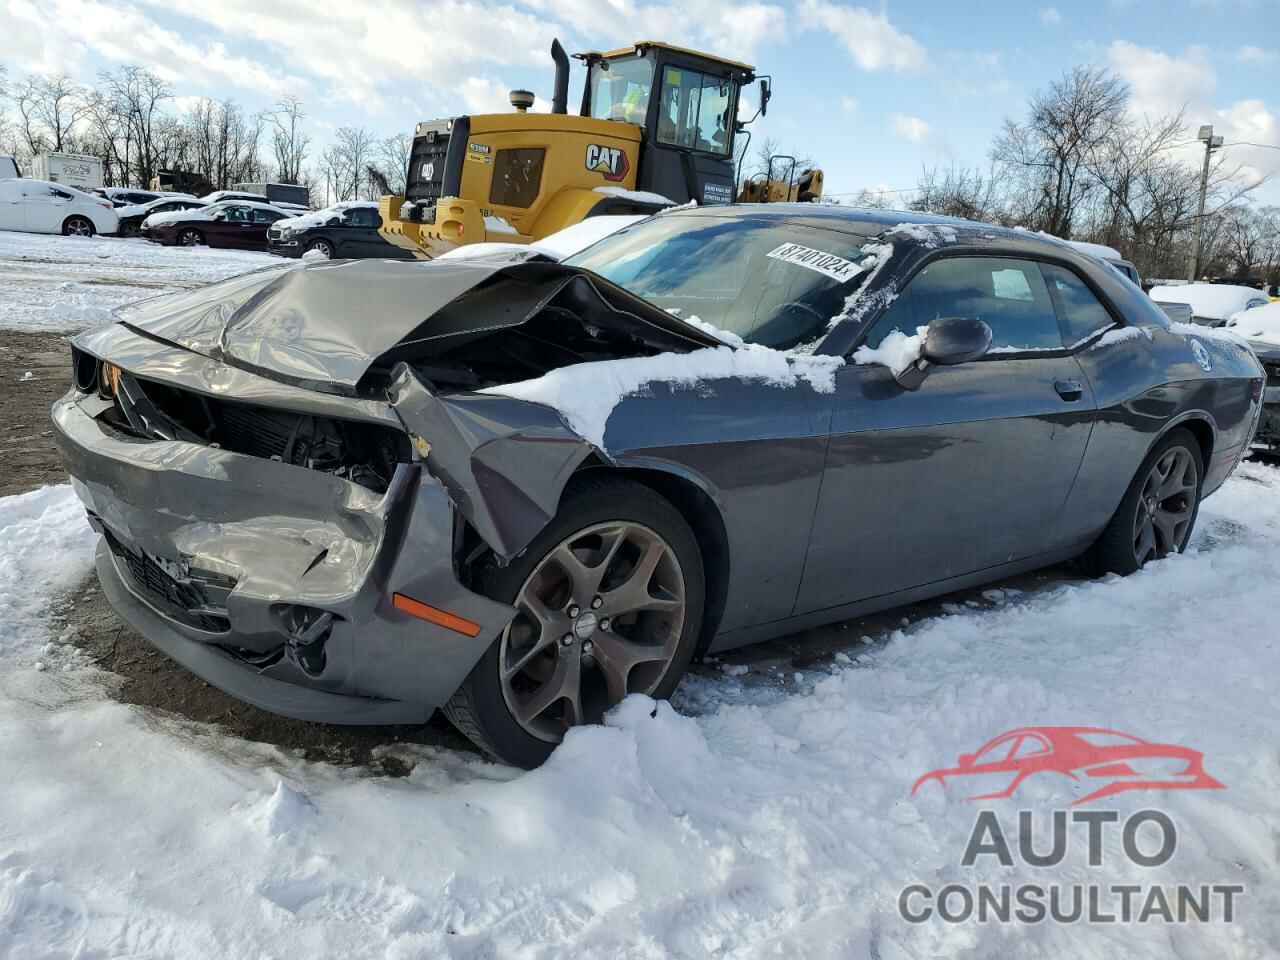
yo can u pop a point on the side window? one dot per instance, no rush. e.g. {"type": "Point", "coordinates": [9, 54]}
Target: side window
{"type": "Point", "coordinates": [238, 214]}
{"type": "Point", "coordinates": [265, 216]}
{"type": "Point", "coordinates": [1082, 314]}
{"type": "Point", "coordinates": [694, 110]}
{"type": "Point", "coordinates": [361, 217]}
{"type": "Point", "coordinates": [59, 194]}
{"type": "Point", "coordinates": [1009, 295]}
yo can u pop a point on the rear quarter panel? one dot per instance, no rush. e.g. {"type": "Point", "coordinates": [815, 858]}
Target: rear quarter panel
{"type": "Point", "coordinates": [1147, 385]}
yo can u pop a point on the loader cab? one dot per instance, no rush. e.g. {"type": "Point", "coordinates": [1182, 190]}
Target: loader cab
{"type": "Point", "coordinates": [686, 104]}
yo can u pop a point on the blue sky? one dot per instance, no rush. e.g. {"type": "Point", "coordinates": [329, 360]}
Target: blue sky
{"type": "Point", "coordinates": [872, 92]}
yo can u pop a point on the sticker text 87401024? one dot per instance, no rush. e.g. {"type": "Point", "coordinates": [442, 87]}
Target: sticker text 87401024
{"type": "Point", "coordinates": [838, 268]}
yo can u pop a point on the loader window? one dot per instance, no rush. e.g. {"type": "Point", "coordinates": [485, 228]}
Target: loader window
{"type": "Point", "coordinates": [620, 89]}
{"type": "Point", "coordinates": [694, 110]}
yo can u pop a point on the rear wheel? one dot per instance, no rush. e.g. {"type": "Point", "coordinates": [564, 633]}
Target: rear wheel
{"type": "Point", "coordinates": [190, 238]}
{"type": "Point", "coordinates": [77, 227]}
{"type": "Point", "coordinates": [1159, 509]}
{"type": "Point", "coordinates": [608, 602]}
{"type": "Point", "coordinates": [322, 249]}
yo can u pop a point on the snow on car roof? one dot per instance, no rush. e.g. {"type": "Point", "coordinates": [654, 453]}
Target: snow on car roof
{"type": "Point", "coordinates": [1260, 323]}
{"type": "Point", "coordinates": [318, 218]}
{"type": "Point", "coordinates": [1216, 301]}
{"type": "Point", "coordinates": [1099, 250]}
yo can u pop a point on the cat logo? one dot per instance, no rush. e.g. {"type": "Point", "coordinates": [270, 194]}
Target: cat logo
{"type": "Point", "coordinates": [609, 161]}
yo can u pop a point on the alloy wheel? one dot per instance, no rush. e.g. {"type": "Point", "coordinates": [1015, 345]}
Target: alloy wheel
{"type": "Point", "coordinates": [598, 618]}
{"type": "Point", "coordinates": [79, 227]}
{"type": "Point", "coordinates": [189, 238]}
{"type": "Point", "coordinates": [1166, 506]}
{"type": "Point", "coordinates": [323, 249]}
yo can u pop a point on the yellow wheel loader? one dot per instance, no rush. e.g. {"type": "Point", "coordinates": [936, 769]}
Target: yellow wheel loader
{"type": "Point", "coordinates": [656, 128]}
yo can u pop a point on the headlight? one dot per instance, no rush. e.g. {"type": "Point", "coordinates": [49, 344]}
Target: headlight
{"type": "Point", "coordinates": [108, 381]}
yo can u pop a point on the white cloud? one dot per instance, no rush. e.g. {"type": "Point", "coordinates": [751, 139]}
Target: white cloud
{"type": "Point", "coordinates": [872, 41]}
{"type": "Point", "coordinates": [849, 105]}
{"type": "Point", "coordinates": [1162, 84]}
{"type": "Point", "coordinates": [1252, 54]}
{"type": "Point", "coordinates": [1050, 16]}
{"type": "Point", "coordinates": [486, 95]}
{"type": "Point", "coordinates": [911, 129]}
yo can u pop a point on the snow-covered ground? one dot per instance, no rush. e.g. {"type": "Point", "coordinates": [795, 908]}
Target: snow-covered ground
{"type": "Point", "coordinates": [70, 283]}
{"type": "Point", "coordinates": [765, 820]}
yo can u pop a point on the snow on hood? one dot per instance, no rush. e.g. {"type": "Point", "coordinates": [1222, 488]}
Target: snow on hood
{"type": "Point", "coordinates": [319, 218]}
{"type": "Point", "coordinates": [1215, 301]}
{"type": "Point", "coordinates": [1261, 324]}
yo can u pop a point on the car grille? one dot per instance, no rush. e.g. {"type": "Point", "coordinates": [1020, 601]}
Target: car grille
{"type": "Point", "coordinates": [366, 454]}
{"type": "Point", "coordinates": [197, 599]}
{"type": "Point", "coordinates": [273, 233]}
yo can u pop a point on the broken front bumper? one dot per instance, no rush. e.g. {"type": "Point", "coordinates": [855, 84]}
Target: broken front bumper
{"type": "Point", "coordinates": [274, 582]}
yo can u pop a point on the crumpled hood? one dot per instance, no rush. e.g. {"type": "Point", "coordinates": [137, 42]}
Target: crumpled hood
{"type": "Point", "coordinates": [323, 324]}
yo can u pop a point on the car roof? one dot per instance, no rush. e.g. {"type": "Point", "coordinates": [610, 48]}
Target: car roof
{"type": "Point", "coordinates": [254, 204]}
{"type": "Point", "coordinates": [874, 222]}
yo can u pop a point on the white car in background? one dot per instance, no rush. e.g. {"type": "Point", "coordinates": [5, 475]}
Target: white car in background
{"type": "Point", "coordinates": [556, 246]}
{"type": "Point", "coordinates": [1212, 304]}
{"type": "Point", "coordinates": [40, 206]}
{"type": "Point", "coordinates": [1108, 255]}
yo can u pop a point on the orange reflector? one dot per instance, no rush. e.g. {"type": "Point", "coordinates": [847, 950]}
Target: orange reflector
{"type": "Point", "coordinates": [441, 618]}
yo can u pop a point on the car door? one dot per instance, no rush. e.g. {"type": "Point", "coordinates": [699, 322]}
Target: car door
{"type": "Point", "coordinates": [255, 237]}
{"type": "Point", "coordinates": [231, 229]}
{"type": "Point", "coordinates": [365, 239]}
{"type": "Point", "coordinates": [13, 210]}
{"type": "Point", "coordinates": [968, 471]}
{"type": "Point", "coordinates": [46, 207]}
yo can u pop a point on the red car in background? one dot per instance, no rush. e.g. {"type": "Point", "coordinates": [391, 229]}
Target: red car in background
{"type": "Point", "coordinates": [1123, 761]}
{"type": "Point", "coordinates": [239, 224]}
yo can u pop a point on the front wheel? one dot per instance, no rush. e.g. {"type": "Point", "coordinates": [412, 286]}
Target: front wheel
{"type": "Point", "coordinates": [77, 227]}
{"type": "Point", "coordinates": [190, 238]}
{"type": "Point", "coordinates": [1159, 509]}
{"type": "Point", "coordinates": [321, 248]}
{"type": "Point", "coordinates": [608, 599]}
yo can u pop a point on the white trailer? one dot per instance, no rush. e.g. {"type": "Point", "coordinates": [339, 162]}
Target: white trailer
{"type": "Point", "coordinates": [73, 169]}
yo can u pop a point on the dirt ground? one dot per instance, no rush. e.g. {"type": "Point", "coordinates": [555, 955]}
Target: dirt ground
{"type": "Point", "coordinates": [35, 370]}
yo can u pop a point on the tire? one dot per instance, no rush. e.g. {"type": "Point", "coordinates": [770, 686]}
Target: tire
{"type": "Point", "coordinates": [78, 227]}
{"type": "Point", "coordinates": [190, 237]}
{"type": "Point", "coordinates": [1123, 547]}
{"type": "Point", "coordinates": [323, 247]}
{"type": "Point", "coordinates": [624, 523]}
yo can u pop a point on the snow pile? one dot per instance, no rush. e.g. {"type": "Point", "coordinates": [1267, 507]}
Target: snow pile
{"type": "Point", "coordinates": [71, 283]}
{"type": "Point", "coordinates": [1213, 301]}
{"type": "Point", "coordinates": [565, 243]}
{"type": "Point", "coordinates": [928, 234]}
{"type": "Point", "coordinates": [776, 822]}
{"type": "Point", "coordinates": [586, 393]}
{"type": "Point", "coordinates": [637, 196]}
{"type": "Point", "coordinates": [728, 336]}
{"type": "Point", "coordinates": [856, 306]}
{"type": "Point", "coordinates": [897, 350]}
{"type": "Point", "coordinates": [1261, 324]}
{"type": "Point", "coordinates": [1120, 335]}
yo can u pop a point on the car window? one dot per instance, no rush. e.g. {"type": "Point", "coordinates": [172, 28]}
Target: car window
{"type": "Point", "coordinates": [1106, 738]}
{"type": "Point", "coordinates": [1082, 314]}
{"type": "Point", "coordinates": [265, 216]}
{"type": "Point", "coordinates": [620, 89]}
{"type": "Point", "coordinates": [771, 282]}
{"type": "Point", "coordinates": [694, 110]}
{"type": "Point", "coordinates": [237, 214]}
{"type": "Point", "coordinates": [1000, 750]}
{"type": "Point", "coordinates": [361, 217]}
{"type": "Point", "coordinates": [1028, 746]}
{"type": "Point", "coordinates": [1009, 295]}
{"type": "Point", "coordinates": [1255, 303]}
{"type": "Point", "coordinates": [60, 194]}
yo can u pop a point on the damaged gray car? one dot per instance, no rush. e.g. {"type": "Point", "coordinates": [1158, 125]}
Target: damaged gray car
{"type": "Point", "coordinates": [362, 491]}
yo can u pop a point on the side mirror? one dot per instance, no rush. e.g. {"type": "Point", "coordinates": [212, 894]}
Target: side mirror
{"type": "Point", "coordinates": [965, 759]}
{"type": "Point", "coordinates": [765, 93]}
{"type": "Point", "coordinates": [219, 216]}
{"type": "Point", "coordinates": [947, 342]}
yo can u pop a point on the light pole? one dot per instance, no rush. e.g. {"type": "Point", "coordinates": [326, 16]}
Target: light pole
{"type": "Point", "coordinates": [1211, 143]}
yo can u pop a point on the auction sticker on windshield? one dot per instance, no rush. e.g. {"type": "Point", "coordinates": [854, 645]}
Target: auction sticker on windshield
{"type": "Point", "coordinates": [838, 268]}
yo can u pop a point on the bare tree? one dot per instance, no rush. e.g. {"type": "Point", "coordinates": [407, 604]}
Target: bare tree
{"type": "Point", "coordinates": [393, 161]}
{"type": "Point", "coordinates": [135, 96]}
{"type": "Point", "coordinates": [288, 143]}
{"type": "Point", "coordinates": [959, 192]}
{"type": "Point", "coordinates": [1046, 154]}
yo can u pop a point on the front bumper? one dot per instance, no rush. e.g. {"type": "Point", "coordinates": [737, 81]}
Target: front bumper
{"type": "Point", "coordinates": [282, 247]}
{"type": "Point", "coordinates": [1267, 436]}
{"type": "Point", "coordinates": [219, 559]}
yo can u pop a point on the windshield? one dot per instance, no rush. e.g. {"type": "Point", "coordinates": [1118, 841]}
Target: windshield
{"type": "Point", "coordinates": [620, 89]}
{"type": "Point", "coordinates": [770, 281]}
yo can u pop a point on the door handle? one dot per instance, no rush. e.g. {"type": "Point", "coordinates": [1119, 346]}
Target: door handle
{"type": "Point", "coordinates": [1069, 390]}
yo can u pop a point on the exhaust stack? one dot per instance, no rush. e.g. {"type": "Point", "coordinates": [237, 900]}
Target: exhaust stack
{"type": "Point", "coordinates": [560, 96]}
